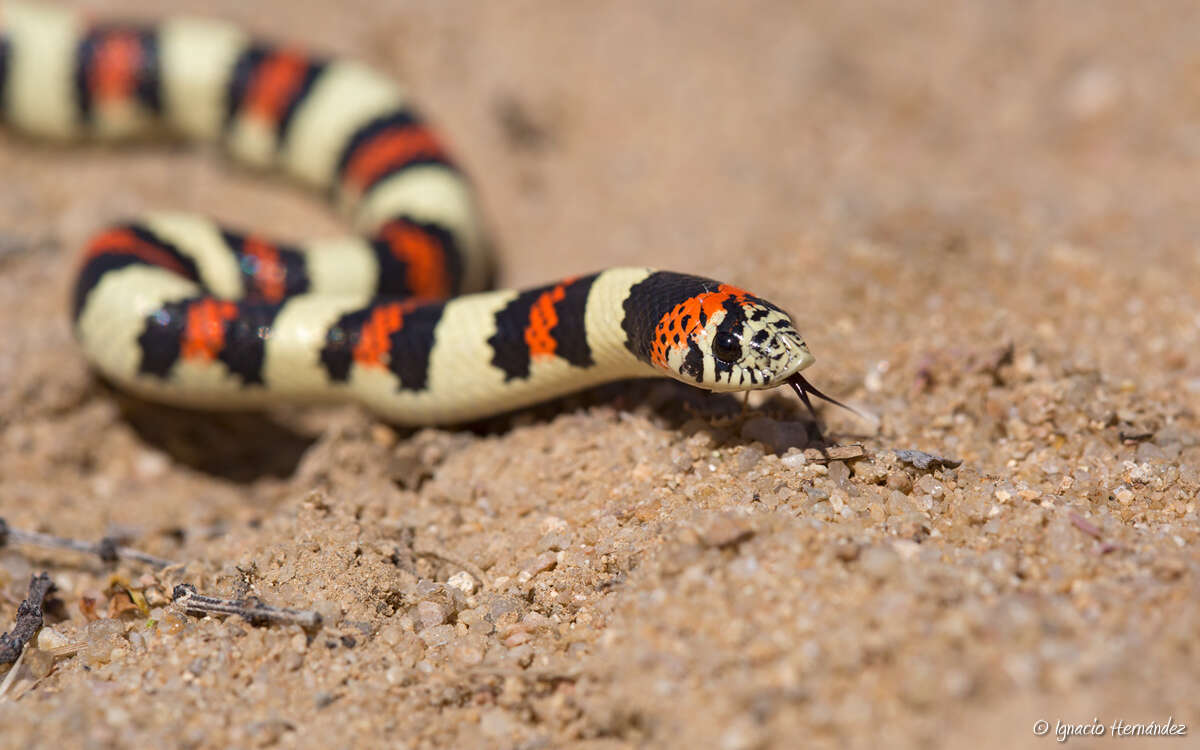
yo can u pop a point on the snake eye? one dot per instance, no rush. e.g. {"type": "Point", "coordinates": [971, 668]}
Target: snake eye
{"type": "Point", "coordinates": [727, 347]}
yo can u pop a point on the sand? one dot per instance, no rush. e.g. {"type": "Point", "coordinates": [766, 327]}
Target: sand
{"type": "Point", "coordinates": [982, 215]}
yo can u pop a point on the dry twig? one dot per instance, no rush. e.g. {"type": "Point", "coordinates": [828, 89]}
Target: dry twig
{"type": "Point", "coordinates": [107, 549]}
{"type": "Point", "coordinates": [251, 609]}
{"type": "Point", "coordinates": [29, 619]}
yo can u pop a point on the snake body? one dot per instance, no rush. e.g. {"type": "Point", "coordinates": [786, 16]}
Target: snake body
{"type": "Point", "coordinates": [179, 309]}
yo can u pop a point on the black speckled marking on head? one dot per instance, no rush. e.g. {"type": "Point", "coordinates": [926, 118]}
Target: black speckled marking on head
{"type": "Point", "coordinates": [511, 351]}
{"type": "Point", "coordinates": [735, 318]}
{"type": "Point", "coordinates": [145, 84]}
{"type": "Point", "coordinates": [96, 265]}
{"type": "Point", "coordinates": [693, 363]}
{"type": "Point", "coordinates": [408, 348]}
{"type": "Point", "coordinates": [651, 299]}
{"type": "Point", "coordinates": [250, 66]}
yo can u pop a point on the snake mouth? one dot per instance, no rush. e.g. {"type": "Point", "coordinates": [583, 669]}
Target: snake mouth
{"type": "Point", "coordinates": [798, 357]}
{"type": "Point", "coordinates": [803, 388]}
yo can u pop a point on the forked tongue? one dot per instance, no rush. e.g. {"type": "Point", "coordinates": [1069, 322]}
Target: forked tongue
{"type": "Point", "coordinates": [802, 388]}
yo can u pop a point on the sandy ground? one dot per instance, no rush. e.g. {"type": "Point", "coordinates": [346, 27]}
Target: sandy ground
{"type": "Point", "coordinates": [984, 217]}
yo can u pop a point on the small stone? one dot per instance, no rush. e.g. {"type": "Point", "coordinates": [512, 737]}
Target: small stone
{"type": "Point", "coordinates": [438, 635]}
{"type": "Point", "coordinates": [926, 461]}
{"type": "Point", "coordinates": [794, 460]}
{"type": "Point", "coordinates": [839, 473]}
{"type": "Point", "coordinates": [845, 452]}
{"type": "Point", "coordinates": [49, 639]}
{"type": "Point", "coordinates": [469, 651]}
{"type": "Point", "coordinates": [927, 485]}
{"type": "Point", "coordinates": [869, 472]}
{"type": "Point", "coordinates": [431, 613]}
{"type": "Point", "coordinates": [540, 564]}
{"type": "Point", "coordinates": [38, 662]}
{"type": "Point", "coordinates": [463, 581]}
{"type": "Point", "coordinates": [503, 605]}
{"type": "Point", "coordinates": [748, 458]}
{"type": "Point", "coordinates": [103, 637]}
{"type": "Point", "coordinates": [900, 482]}
{"type": "Point", "coordinates": [391, 635]}
{"type": "Point", "coordinates": [897, 503]}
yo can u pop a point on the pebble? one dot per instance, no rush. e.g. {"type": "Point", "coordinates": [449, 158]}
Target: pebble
{"type": "Point", "coordinates": [927, 485]}
{"type": "Point", "coordinates": [540, 564]}
{"type": "Point", "coordinates": [794, 460]}
{"type": "Point", "coordinates": [464, 582]}
{"type": "Point", "coordinates": [839, 473]}
{"type": "Point", "coordinates": [103, 637]}
{"type": "Point", "coordinates": [900, 481]}
{"type": "Point", "coordinates": [38, 662]}
{"type": "Point", "coordinates": [834, 453]}
{"type": "Point", "coordinates": [438, 635]}
{"type": "Point", "coordinates": [926, 461]}
{"type": "Point", "coordinates": [431, 613]}
{"type": "Point", "coordinates": [469, 651]}
{"type": "Point", "coordinates": [48, 639]}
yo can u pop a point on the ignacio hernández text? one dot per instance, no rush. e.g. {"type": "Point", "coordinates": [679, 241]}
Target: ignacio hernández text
{"type": "Point", "coordinates": [1118, 728]}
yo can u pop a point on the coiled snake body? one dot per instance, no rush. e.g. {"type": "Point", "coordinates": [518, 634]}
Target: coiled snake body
{"type": "Point", "coordinates": [176, 308]}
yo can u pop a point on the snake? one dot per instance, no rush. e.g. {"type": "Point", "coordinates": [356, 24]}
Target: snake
{"type": "Point", "coordinates": [399, 316]}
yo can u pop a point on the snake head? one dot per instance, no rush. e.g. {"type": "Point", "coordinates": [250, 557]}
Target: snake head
{"type": "Point", "coordinates": [720, 337]}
